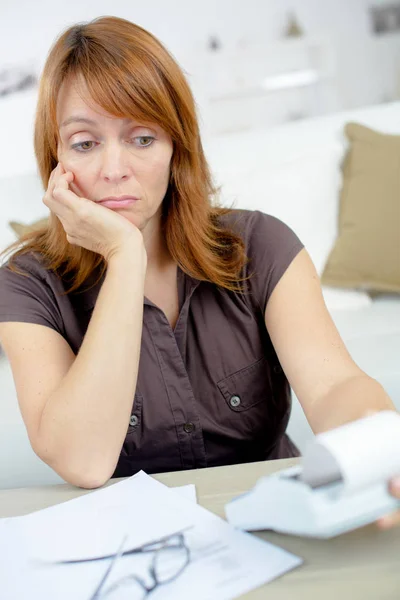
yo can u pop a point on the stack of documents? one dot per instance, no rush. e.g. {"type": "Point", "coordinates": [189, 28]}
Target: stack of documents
{"type": "Point", "coordinates": [224, 562]}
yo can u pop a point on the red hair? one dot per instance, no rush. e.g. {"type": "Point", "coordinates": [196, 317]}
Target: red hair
{"type": "Point", "coordinates": [129, 73]}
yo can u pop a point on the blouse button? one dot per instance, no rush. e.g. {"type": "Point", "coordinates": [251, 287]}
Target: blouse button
{"type": "Point", "coordinates": [188, 427]}
{"type": "Point", "coordinates": [133, 421]}
{"type": "Point", "coordinates": [235, 401]}
{"type": "Point", "coordinates": [277, 369]}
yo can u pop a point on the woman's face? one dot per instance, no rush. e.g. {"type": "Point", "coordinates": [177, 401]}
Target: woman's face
{"type": "Point", "coordinates": [113, 157]}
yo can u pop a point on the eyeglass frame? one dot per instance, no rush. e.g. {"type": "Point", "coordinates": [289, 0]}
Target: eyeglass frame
{"type": "Point", "coordinates": [162, 543]}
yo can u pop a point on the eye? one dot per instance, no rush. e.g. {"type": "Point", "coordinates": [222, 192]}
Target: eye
{"type": "Point", "coordinates": [79, 147]}
{"type": "Point", "coordinates": [144, 142]}
{"type": "Point", "coordinates": [149, 139]}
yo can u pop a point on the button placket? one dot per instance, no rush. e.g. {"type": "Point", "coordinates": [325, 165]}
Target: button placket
{"type": "Point", "coordinates": [183, 404]}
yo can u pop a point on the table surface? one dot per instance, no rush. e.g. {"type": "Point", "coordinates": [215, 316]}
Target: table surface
{"type": "Point", "coordinates": [363, 564]}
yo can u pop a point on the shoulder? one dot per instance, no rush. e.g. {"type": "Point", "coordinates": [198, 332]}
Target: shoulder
{"type": "Point", "coordinates": [25, 275]}
{"type": "Point", "coordinates": [30, 293]}
{"type": "Point", "coordinates": [29, 265]}
{"type": "Point", "coordinates": [270, 246]}
{"type": "Point", "coordinates": [261, 231]}
{"type": "Point", "coordinates": [31, 261]}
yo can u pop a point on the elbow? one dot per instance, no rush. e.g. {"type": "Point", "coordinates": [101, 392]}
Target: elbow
{"type": "Point", "coordinates": [83, 478]}
{"type": "Point", "coordinates": [88, 482]}
{"type": "Point", "coordinates": [76, 473]}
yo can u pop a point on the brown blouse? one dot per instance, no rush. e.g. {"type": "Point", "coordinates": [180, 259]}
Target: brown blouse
{"type": "Point", "coordinates": [210, 392]}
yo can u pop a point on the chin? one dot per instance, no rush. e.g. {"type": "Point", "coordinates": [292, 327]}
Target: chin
{"type": "Point", "coordinates": [136, 220]}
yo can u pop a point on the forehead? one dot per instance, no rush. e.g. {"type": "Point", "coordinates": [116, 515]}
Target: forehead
{"type": "Point", "coordinates": [74, 98]}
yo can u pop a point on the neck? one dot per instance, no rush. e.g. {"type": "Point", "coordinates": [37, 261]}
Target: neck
{"type": "Point", "coordinates": [158, 255]}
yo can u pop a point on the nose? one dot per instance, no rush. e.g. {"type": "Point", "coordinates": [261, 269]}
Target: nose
{"type": "Point", "coordinates": [115, 166]}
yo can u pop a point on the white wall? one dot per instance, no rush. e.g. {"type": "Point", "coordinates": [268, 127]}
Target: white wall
{"type": "Point", "coordinates": [28, 28]}
{"type": "Point", "coordinates": [368, 69]}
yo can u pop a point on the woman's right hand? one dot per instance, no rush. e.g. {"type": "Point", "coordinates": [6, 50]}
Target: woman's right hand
{"type": "Point", "coordinates": [86, 223]}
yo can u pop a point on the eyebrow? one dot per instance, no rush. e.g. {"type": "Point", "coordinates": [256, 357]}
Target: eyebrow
{"type": "Point", "coordinates": [78, 119]}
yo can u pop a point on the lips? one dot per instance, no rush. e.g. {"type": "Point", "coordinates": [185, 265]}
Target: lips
{"type": "Point", "coordinates": [118, 202]}
{"type": "Point", "coordinates": [117, 198]}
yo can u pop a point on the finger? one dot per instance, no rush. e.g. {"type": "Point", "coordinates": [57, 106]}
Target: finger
{"type": "Point", "coordinates": [53, 178]}
{"type": "Point", "coordinates": [394, 487]}
{"type": "Point", "coordinates": [56, 202]}
{"type": "Point", "coordinates": [393, 519]}
{"type": "Point", "coordinates": [61, 174]}
{"type": "Point", "coordinates": [65, 172]}
{"type": "Point", "coordinates": [370, 412]}
{"type": "Point", "coordinates": [74, 189]}
{"type": "Point", "coordinates": [64, 180]}
{"type": "Point", "coordinates": [389, 521]}
{"type": "Point", "coordinates": [55, 206]}
{"type": "Point", "coordinates": [66, 197]}
{"type": "Point", "coordinates": [58, 169]}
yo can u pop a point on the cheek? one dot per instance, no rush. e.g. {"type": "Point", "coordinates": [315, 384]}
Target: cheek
{"type": "Point", "coordinates": [160, 172]}
{"type": "Point", "coordinates": [80, 185]}
{"type": "Point", "coordinates": [83, 181]}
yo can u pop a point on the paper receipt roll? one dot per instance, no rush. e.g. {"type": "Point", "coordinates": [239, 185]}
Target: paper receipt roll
{"type": "Point", "coordinates": [361, 453]}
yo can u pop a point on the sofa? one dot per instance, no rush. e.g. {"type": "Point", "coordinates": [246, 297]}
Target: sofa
{"type": "Point", "coordinates": [292, 171]}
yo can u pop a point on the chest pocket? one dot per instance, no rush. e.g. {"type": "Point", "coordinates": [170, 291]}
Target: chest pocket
{"type": "Point", "coordinates": [256, 400]}
{"type": "Point", "coordinates": [247, 387]}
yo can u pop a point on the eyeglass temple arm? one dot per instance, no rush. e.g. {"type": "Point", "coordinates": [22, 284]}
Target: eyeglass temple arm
{"type": "Point", "coordinates": [110, 566]}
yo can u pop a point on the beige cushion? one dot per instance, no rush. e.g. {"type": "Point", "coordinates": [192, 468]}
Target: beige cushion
{"type": "Point", "coordinates": [366, 253]}
{"type": "Point", "coordinates": [22, 228]}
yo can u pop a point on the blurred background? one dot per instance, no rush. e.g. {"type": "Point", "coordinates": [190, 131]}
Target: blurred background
{"type": "Point", "coordinates": [275, 82]}
{"type": "Point", "coordinates": [253, 63]}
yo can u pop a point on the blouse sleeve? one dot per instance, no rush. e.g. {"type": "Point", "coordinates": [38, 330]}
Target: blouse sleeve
{"type": "Point", "coordinates": [28, 298]}
{"type": "Point", "coordinates": [271, 245]}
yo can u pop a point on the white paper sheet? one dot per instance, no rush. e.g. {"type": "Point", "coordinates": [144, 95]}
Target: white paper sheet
{"type": "Point", "coordinates": [225, 562]}
{"type": "Point", "coordinates": [94, 524]}
{"type": "Point", "coordinates": [187, 491]}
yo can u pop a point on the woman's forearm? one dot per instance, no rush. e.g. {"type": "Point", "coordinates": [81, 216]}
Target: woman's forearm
{"type": "Point", "coordinates": [84, 422]}
{"type": "Point", "coordinates": [348, 401]}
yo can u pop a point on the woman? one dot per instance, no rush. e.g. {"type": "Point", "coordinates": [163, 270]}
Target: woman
{"type": "Point", "coordinates": [139, 287]}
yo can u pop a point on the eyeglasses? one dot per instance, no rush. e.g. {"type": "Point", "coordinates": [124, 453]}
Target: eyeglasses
{"type": "Point", "coordinates": [171, 556]}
